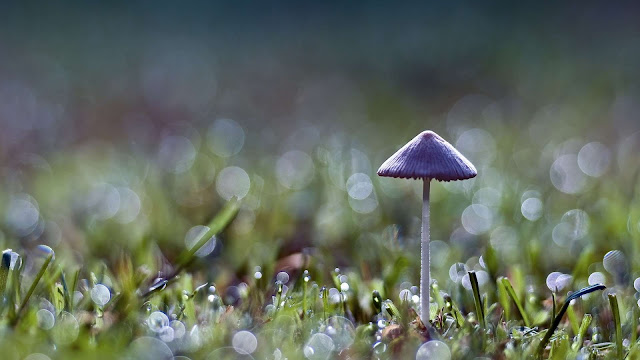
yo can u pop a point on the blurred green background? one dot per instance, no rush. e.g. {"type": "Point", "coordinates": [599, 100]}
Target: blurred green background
{"type": "Point", "coordinates": [125, 124]}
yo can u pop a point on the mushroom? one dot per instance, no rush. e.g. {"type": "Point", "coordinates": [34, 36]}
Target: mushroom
{"type": "Point", "coordinates": [426, 157]}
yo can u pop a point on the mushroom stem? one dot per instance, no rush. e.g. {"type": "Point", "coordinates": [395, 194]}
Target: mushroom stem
{"type": "Point", "coordinates": [424, 253]}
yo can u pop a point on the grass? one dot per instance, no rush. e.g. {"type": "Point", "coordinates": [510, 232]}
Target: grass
{"type": "Point", "coordinates": [311, 272]}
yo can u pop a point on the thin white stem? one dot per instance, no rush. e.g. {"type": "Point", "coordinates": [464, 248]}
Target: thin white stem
{"type": "Point", "coordinates": [424, 255]}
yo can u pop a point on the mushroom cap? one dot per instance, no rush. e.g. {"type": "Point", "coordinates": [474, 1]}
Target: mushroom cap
{"type": "Point", "coordinates": [428, 156]}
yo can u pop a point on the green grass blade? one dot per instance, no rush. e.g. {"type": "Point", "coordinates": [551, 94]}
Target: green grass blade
{"type": "Point", "coordinates": [584, 326]}
{"type": "Point", "coordinates": [376, 299]}
{"type": "Point", "coordinates": [573, 319]}
{"type": "Point", "coordinates": [613, 301]}
{"type": "Point", "coordinates": [558, 318]}
{"type": "Point", "coordinates": [477, 298]}
{"type": "Point", "coordinates": [634, 324]}
{"type": "Point", "coordinates": [43, 269]}
{"type": "Point", "coordinates": [512, 294]}
{"type": "Point", "coordinates": [503, 299]}
{"type": "Point", "coordinates": [4, 270]}
{"type": "Point", "coordinates": [66, 292]}
{"type": "Point", "coordinates": [219, 223]}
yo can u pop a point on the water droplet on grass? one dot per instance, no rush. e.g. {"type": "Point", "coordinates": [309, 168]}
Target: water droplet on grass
{"type": "Point", "coordinates": [45, 251]}
{"type": "Point", "coordinates": [433, 349]}
{"type": "Point", "coordinates": [566, 176]}
{"type": "Point", "coordinates": [282, 277]}
{"type": "Point", "coordinates": [194, 235]}
{"type": "Point", "coordinates": [379, 348]}
{"type": "Point", "coordinates": [66, 329]}
{"type": "Point", "coordinates": [405, 295]}
{"type": "Point", "coordinates": [157, 320]}
{"type": "Point", "coordinates": [563, 281]}
{"type": "Point", "coordinates": [599, 278]}
{"type": "Point", "coordinates": [341, 331]}
{"type": "Point", "coordinates": [551, 280]}
{"type": "Point", "coordinates": [319, 347]}
{"type": "Point", "coordinates": [129, 206]}
{"type": "Point", "coordinates": [295, 170]}
{"type": "Point", "coordinates": [166, 334]}
{"type": "Point", "coordinates": [594, 159]}
{"type": "Point", "coordinates": [148, 348]}
{"type": "Point", "coordinates": [615, 262]}
{"type": "Point", "coordinates": [457, 271]}
{"type": "Point", "coordinates": [178, 329]}
{"type": "Point", "coordinates": [233, 181]}
{"type": "Point", "coordinates": [477, 219]}
{"type": "Point", "coordinates": [359, 186]}
{"type": "Point", "coordinates": [226, 137]}
{"type": "Point", "coordinates": [100, 294]}
{"type": "Point", "coordinates": [176, 154]}
{"type": "Point", "coordinates": [334, 296]}
{"type": "Point", "coordinates": [22, 214]}
{"type": "Point", "coordinates": [46, 319]}
{"type": "Point", "coordinates": [244, 342]}
{"type": "Point", "coordinates": [531, 209]}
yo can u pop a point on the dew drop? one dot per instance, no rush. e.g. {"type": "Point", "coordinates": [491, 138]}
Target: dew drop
{"type": "Point", "coordinates": [148, 348]}
{"type": "Point", "coordinates": [566, 176]}
{"type": "Point", "coordinates": [157, 320]}
{"type": "Point", "coordinates": [178, 329]}
{"type": "Point", "coordinates": [233, 181]}
{"type": "Point", "coordinates": [66, 329]}
{"type": "Point", "coordinates": [600, 278]}
{"type": "Point", "coordinates": [405, 295]}
{"type": "Point", "coordinates": [176, 154]}
{"type": "Point", "coordinates": [225, 137]}
{"type": "Point", "coordinates": [563, 281]}
{"type": "Point", "coordinates": [100, 294]}
{"type": "Point", "coordinates": [477, 219]}
{"type": "Point", "coordinates": [341, 331]}
{"type": "Point", "coordinates": [45, 251]}
{"type": "Point", "coordinates": [457, 271]}
{"type": "Point", "coordinates": [433, 349]}
{"type": "Point", "coordinates": [551, 280]}
{"type": "Point", "coordinates": [594, 159]}
{"type": "Point", "coordinates": [46, 319]}
{"type": "Point", "coordinates": [615, 262]}
{"type": "Point", "coordinates": [194, 235]}
{"type": "Point", "coordinates": [359, 186]}
{"type": "Point", "coordinates": [531, 208]}
{"type": "Point", "coordinates": [295, 170]}
{"type": "Point", "coordinates": [244, 342]}
{"type": "Point", "coordinates": [319, 347]}
{"type": "Point", "coordinates": [22, 214]}
{"type": "Point", "coordinates": [166, 334]}
{"type": "Point", "coordinates": [282, 277]}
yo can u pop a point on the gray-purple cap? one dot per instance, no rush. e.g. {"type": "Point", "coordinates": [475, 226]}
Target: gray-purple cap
{"type": "Point", "coordinates": [428, 156]}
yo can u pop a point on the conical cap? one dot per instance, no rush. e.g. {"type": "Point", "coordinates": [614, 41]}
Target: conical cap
{"type": "Point", "coordinates": [428, 156]}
